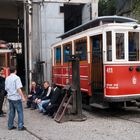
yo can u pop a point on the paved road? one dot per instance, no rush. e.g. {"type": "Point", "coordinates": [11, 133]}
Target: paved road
{"type": "Point", "coordinates": [100, 125]}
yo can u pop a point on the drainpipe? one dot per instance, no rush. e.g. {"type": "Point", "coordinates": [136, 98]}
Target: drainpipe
{"type": "Point", "coordinates": [25, 48]}
{"type": "Point", "coordinates": [30, 39]}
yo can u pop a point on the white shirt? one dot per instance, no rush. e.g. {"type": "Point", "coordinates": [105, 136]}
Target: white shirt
{"type": "Point", "coordinates": [12, 83]}
{"type": "Point", "coordinates": [49, 91]}
{"type": "Point", "coordinates": [55, 88]}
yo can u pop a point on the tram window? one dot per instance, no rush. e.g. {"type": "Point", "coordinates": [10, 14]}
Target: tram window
{"type": "Point", "coordinates": [81, 49]}
{"type": "Point", "coordinates": [119, 45]}
{"type": "Point", "coordinates": [58, 55]}
{"type": "Point", "coordinates": [67, 51]}
{"type": "Point", "coordinates": [109, 46]}
{"type": "Point", "coordinates": [133, 46]}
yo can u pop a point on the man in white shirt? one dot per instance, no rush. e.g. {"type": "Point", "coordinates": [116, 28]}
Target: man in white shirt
{"type": "Point", "coordinates": [15, 96]}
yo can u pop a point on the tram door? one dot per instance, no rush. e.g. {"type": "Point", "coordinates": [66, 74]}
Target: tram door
{"type": "Point", "coordinates": [97, 65]}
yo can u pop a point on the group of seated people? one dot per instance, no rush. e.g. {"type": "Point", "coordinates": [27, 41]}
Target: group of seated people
{"type": "Point", "coordinates": [46, 99]}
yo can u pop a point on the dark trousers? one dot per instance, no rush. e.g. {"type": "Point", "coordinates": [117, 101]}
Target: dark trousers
{"type": "Point", "coordinates": [1, 101]}
{"type": "Point", "coordinates": [50, 109]}
{"type": "Point", "coordinates": [30, 102]}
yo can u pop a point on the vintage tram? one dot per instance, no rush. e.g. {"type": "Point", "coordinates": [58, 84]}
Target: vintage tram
{"type": "Point", "coordinates": [7, 57]}
{"type": "Point", "coordinates": [109, 51]}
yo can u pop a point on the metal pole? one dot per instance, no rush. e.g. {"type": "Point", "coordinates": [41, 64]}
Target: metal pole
{"type": "Point", "coordinates": [77, 100]}
{"type": "Point", "coordinates": [25, 49]}
{"type": "Point", "coordinates": [30, 41]}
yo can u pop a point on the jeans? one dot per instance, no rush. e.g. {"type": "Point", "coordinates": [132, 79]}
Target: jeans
{"type": "Point", "coordinates": [41, 104]}
{"type": "Point", "coordinates": [13, 107]}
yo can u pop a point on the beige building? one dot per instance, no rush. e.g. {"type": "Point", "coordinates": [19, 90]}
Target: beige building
{"type": "Point", "coordinates": [33, 25]}
{"type": "Point", "coordinates": [53, 18]}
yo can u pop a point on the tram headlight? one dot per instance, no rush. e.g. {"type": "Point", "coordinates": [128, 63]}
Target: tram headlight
{"type": "Point", "coordinates": [135, 26]}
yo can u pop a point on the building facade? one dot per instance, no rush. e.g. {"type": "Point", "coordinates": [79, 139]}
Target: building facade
{"type": "Point", "coordinates": [51, 19]}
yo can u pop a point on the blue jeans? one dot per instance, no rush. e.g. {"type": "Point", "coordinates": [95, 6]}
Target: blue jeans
{"type": "Point", "coordinates": [13, 107]}
{"type": "Point", "coordinates": [41, 104]}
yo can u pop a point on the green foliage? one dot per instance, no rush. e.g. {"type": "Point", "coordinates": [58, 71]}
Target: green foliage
{"type": "Point", "coordinates": [119, 7]}
{"type": "Point", "coordinates": [136, 6]}
{"type": "Point", "coordinates": [107, 7]}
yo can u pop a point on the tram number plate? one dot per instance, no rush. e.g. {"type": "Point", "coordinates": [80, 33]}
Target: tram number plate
{"type": "Point", "coordinates": [109, 70]}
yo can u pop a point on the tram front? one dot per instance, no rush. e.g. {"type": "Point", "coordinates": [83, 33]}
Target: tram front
{"type": "Point", "coordinates": [122, 62]}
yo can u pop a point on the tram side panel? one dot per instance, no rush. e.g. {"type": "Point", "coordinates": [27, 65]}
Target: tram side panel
{"type": "Point", "coordinates": [57, 75]}
{"type": "Point", "coordinates": [61, 76]}
{"type": "Point", "coordinates": [121, 82]}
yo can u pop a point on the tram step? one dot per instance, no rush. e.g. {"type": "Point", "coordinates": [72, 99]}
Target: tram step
{"type": "Point", "coordinates": [100, 105]}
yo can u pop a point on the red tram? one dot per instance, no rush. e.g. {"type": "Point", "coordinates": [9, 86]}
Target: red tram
{"type": "Point", "coordinates": [6, 57]}
{"type": "Point", "coordinates": [109, 50]}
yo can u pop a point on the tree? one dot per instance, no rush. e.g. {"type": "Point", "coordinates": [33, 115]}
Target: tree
{"type": "Point", "coordinates": [129, 8]}
{"type": "Point", "coordinates": [107, 7]}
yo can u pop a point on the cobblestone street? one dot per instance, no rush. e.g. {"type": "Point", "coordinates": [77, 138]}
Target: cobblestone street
{"type": "Point", "coordinates": [100, 125]}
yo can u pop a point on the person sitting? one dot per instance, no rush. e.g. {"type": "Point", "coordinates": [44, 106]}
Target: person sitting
{"type": "Point", "coordinates": [34, 92]}
{"type": "Point", "coordinates": [45, 97]}
{"type": "Point", "coordinates": [55, 100]}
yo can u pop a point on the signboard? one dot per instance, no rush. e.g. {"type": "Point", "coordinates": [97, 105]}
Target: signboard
{"type": "Point", "coordinates": [64, 1]}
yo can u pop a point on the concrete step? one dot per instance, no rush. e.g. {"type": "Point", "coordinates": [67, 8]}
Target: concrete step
{"type": "Point", "coordinates": [100, 105]}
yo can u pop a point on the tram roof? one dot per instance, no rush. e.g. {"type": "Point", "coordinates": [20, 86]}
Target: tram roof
{"type": "Point", "coordinates": [96, 22]}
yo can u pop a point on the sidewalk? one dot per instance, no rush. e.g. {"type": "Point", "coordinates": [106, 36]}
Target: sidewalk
{"type": "Point", "coordinates": [96, 127]}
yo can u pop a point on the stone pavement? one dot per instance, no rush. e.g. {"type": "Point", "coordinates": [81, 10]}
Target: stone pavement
{"type": "Point", "coordinates": [96, 127]}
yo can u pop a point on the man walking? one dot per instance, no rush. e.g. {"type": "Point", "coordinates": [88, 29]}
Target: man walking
{"type": "Point", "coordinates": [15, 96]}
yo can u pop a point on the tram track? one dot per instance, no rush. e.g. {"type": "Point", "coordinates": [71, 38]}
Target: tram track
{"type": "Point", "coordinates": [122, 114]}
{"type": "Point", "coordinates": [127, 115]}
{"type": "Point", "coordinates": [31, 133]}
{"type": "Point", "coordinates": [127, 119]}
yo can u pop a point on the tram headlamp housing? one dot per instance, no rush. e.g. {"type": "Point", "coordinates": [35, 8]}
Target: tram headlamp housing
{"type": "Point", "coordinates": [135, 26]}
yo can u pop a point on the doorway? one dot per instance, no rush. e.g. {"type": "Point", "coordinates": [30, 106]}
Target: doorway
{"type": "Point", "coordinates": [12, 31]}
{"type": "Point", "coordinates": [97, 64]}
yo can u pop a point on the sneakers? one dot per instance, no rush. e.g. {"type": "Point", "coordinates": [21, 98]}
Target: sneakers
{"type": "Point", "coordinates": [45, 113]}
{"type": "Point", "coordinates": [14, 127]}
{"type": "Point", "coordinates": [22, 129]}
